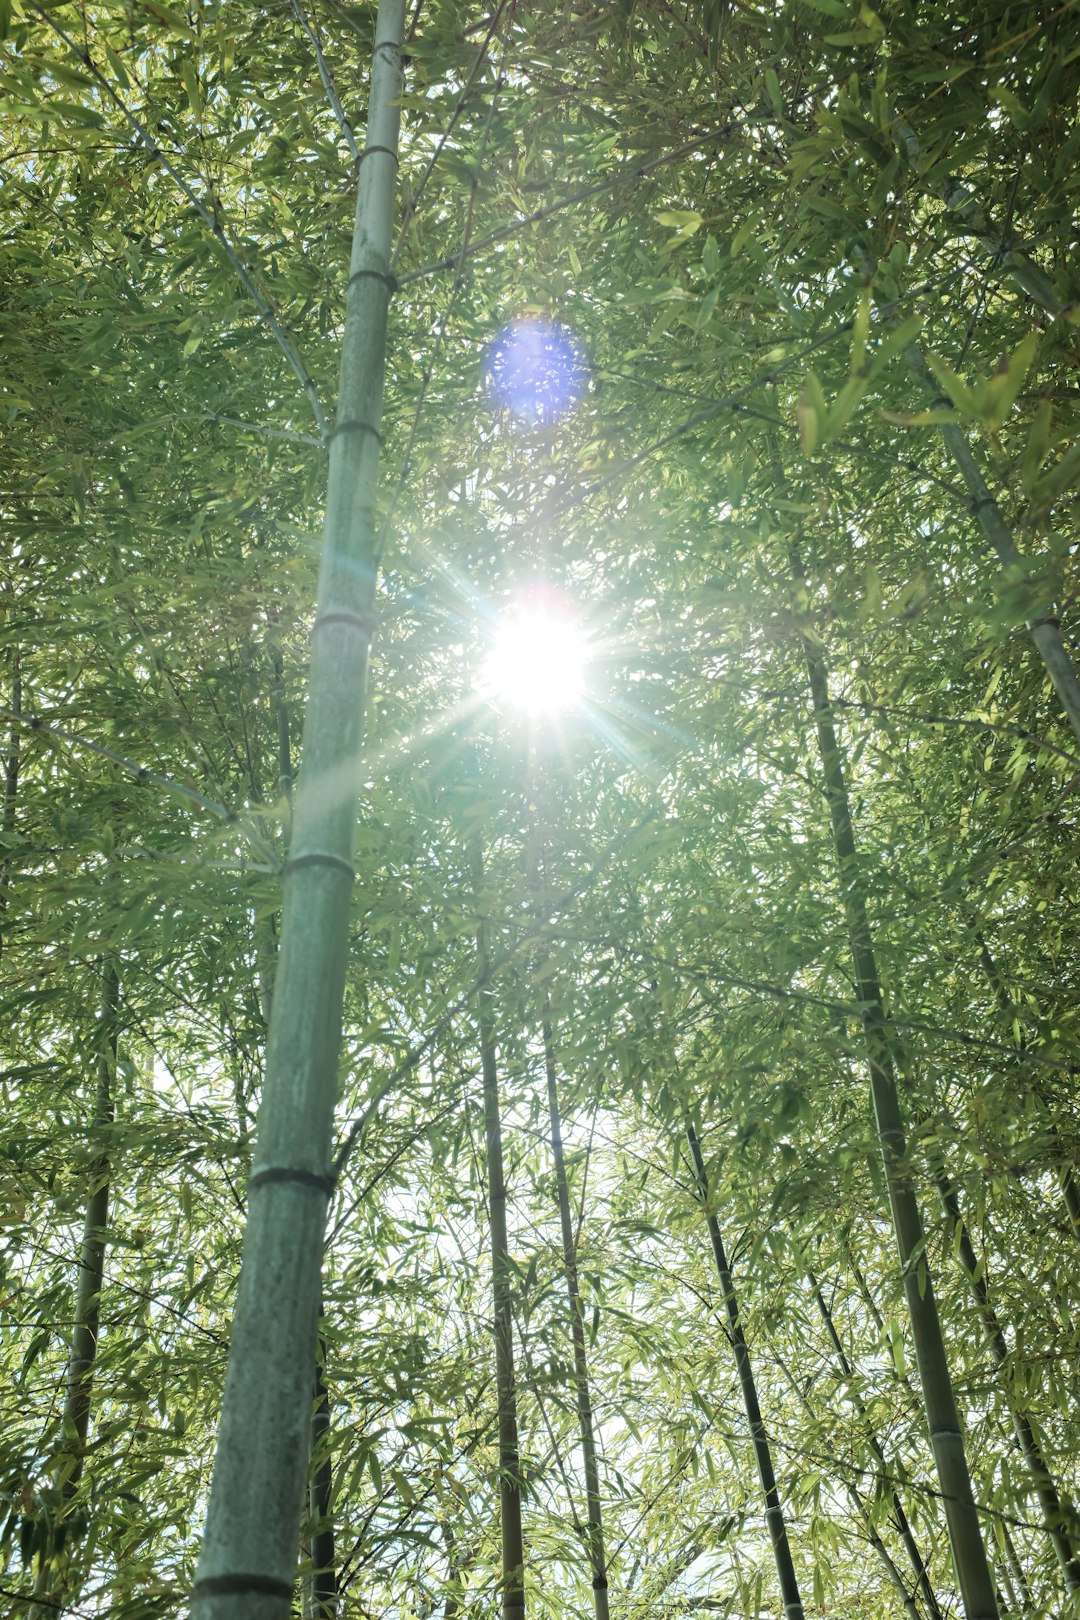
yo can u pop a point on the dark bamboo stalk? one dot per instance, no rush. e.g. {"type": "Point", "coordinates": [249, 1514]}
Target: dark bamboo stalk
{"type": "Point", "coordinates": [322, 1596]}
{"type": "Point", "coordinates": [900, 1518]}
{"type": "Point", "coordinates": [80, 1374]}
{"type": "Point", "coordinates": [58, 1581]}
{"type": "Point", "coordinates": [911, 1608]}
{"type": "Point", "coordinates": [594, 1512]}
{"type": "Point", "coordinates": [12, 765]}
{"type": "Point", "coordinates": [513, 1546]}
{"type": "Point", "coordinates": [943, 1419]}
{"type": "Point", "coordinates": [774, 1513]}
{"type": "Point", "coordinates": [1059, 1516]}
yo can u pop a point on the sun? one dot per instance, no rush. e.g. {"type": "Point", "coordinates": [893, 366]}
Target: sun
{"type": "Point", "coordinates": [538, 656]}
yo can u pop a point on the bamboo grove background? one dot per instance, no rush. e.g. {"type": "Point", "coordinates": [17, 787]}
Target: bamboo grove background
{"type": "Point", "coordinates": [818, 508]}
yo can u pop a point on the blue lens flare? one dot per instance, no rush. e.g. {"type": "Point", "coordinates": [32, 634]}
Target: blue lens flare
{"type": "Point", "coordinates": [537, 369]}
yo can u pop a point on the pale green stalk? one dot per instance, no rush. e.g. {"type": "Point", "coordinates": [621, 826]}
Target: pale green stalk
{"type": "Point", "coordinates": [248, 1565]}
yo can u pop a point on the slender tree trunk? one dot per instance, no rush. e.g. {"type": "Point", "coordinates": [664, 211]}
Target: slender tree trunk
{"type": "Point", "coordinates": [900, 1518]}
{"type": "Point", "coordinates": [321, 1599]}
{"type": "Point", "coordinates": [774, 1513]}
{"type": "Point", "coordinates": [1022, 1591]}
{"type": "Point", "coordinates": [248, 1564]}
{"type": "Point", "coordinates": [452, 1606]}
{"type": "Point", "coordinates": [1031, 282]}
{"type": "Point", "coordinates": [911, 1608]}
{"type": "Point", "coordinates": [594, 1516]}
{"type": "Point", "coordinates": [58, 1582]}
{"type": "Point", "coordinates": [1059, 1516]}
{"type": "Point", "coordinates": [11, 789]}
{"type": "Point", "coordinates": [943, 1420]}
{"type": "Point", "coordinates": [513, 1546]}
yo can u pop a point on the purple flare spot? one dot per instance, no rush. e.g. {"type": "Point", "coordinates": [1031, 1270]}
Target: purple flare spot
{"type": "Point", "coordinates": [536, 369]}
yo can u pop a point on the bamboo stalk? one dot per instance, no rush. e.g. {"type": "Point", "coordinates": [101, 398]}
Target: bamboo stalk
{"type": "Point", "coordinates": [593, 1510]}
{"type": "Point", "coordinates": [57, 1580]}
{"type": "Point", "coordinates": [911, 1608]}
{"type": "Point", "coordinates": [321, 1599]}
{"type": "Point", "coordinates": [900, 1518]}
{"type": "Point", "coordinates": [513, 1545]}
{"type": "Point", "coordinates": [12, 765]}
{"type": "Point", "coordinates": [1059, 1516]}
{"type": "Point", "coordinates": [774, 1513]}
{"type": "Point", "coordinates": [939, 1402]}
{"type": "Point", "coordinates": [1070, 1192]}
{"type": "Point", "coordinates": [248, 1562]}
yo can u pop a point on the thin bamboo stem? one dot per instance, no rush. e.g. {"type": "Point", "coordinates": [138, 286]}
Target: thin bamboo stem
{"type": "Point", "coordinates": [513, 1544]}
{"type": "Point", "coordinates": [586, 1428]}
{"type": "Point", "coordinates": [1044, 628]}
{"type": "Point", "coordinates": [58, 1579]}
{"type": "Point", "coordinates": [900, 1518]}
{"type": "Point", "coordinates": [911, 1608]}
{"type": "Point", "coordinates": [1059, 1515]}
{"type": "Point", "coordinates": [774, 1513]}
{"type": "Point", "coordinates": [322, 1596]}
{"type": "Point", "coordinates": [939, 1402]}
{"type": "Point", "coordinates": [12, 766]}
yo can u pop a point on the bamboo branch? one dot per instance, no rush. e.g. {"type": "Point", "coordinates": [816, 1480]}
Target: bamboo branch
{"type": "Point", "coordinates": [213, 225]}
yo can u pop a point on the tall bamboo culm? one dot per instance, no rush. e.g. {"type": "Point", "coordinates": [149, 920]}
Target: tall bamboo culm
{"type": "Point", "coordinates": [513, 1541]}
{"type": "Point", "coordinates": [939, 1402]}
{"type": "Point", "coordinates": [774, 1512]}
{"type": "Point", "coordinates": [58, 1577]}
{"type": "Point", "coordinates": [1059, 1516]}
{"type": "Point", "coordinates": [247, 1568]}
{"type": "Point", "coordinates": [586, 1427]}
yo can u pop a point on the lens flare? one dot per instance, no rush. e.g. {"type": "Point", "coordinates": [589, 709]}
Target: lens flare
{"type": "Point", "coordinates": [538, 656]}
{"type": "Point", "coordinates": [537, 370]}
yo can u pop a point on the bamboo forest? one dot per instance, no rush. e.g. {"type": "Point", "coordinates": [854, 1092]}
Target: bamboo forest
{"type": "Point", "coordinates": [540, 741]}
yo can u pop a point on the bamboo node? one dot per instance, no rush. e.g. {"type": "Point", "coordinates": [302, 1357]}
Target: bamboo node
{"type": "Point", "coordinates": [302, 1178]}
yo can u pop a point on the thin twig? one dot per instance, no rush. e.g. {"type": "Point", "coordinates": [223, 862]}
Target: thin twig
{"type": "Point", "coordinates": [143, 773]}
{"type": "Point", "coordinates": [284, 342]}
{"type": "Point", "coordinates": [328, 82]}
{"type": "Point", "coordinates": [414, 200]}
{"type": "Point", "coordinates": [628, 173]}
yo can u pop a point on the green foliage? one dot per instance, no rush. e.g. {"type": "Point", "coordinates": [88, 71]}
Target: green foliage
{"type": "Point", "coordinates": [746, 306]}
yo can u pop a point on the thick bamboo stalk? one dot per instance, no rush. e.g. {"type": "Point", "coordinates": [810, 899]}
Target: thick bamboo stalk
{"type": "Point", "coordinates": [513, 1544]}
{"type": "Point", "coordinates": [774, 1513]}
{"type": "Point", "coordinates": [939, 1402]}
{"type": "Point", "coordinates": [593, 1509]}
{"type": "Point", "coordinates": [248, 1563]}
{"type": "Point", "coordinates": [1059, 1516]}
{"type": "Point", "coordinates": [900, 1518]}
